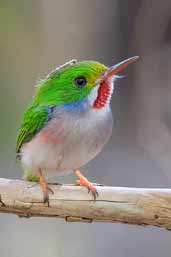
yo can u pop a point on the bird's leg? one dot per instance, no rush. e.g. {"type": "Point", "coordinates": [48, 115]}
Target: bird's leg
{"type": "Point", "coordinates": [83, 181]}
{"type": "Point", "coordinates": [45, 188]}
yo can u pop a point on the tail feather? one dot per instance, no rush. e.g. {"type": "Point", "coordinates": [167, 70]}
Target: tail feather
{"type": "Point", "coordinates": [30, 176]}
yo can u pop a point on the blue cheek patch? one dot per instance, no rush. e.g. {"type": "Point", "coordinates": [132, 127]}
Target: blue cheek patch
{"type": "Point", "coordinates": [78, 107]}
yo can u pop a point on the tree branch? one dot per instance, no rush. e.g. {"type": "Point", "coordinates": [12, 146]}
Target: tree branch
{"type": "Point", "coordinates": [115, 204]}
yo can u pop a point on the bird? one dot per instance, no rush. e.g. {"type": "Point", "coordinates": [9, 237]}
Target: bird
{"type": "Point", "coordinates": [68, 121]}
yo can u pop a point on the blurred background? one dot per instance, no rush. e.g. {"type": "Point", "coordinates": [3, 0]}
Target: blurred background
{"type": "Point", "coordinates": [37, 36]}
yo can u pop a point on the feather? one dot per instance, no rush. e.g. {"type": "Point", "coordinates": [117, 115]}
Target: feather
{"type": "Point", "coordinates": [34, 119]}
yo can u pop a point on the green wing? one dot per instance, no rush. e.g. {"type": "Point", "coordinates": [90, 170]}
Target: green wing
{"type": "Point", "coordinates": [33, 120]}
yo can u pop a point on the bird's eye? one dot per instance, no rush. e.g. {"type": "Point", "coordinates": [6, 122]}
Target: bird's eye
{"type": "Point", "coordinates": [80, 81]}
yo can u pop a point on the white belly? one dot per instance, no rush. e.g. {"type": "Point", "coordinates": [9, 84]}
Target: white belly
{"type": "Point", "coordinates": [68, 142]}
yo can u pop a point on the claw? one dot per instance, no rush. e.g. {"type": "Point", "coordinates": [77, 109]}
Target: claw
{"type": "Point", "coordinates": [50, 190]}
{"type": "Point", "coordinates": [94, 191]}
{"type": "Point", "coordinates": [45, 188]}
{"type": "Point", "coordinates": [55, 183]}
{"type": "Point", "coordinates": [46, 198]}
{"type": "Point", "coordinates": [46, 191]}
{"type": "Point", "coordinates": [83, 181]}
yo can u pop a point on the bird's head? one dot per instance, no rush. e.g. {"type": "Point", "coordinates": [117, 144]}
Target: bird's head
{"type": "Point", "coordinates": [75, 81]}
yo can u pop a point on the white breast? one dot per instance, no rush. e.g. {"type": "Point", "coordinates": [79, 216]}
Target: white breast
{"type": "Point", "coordinates": [68, 142]}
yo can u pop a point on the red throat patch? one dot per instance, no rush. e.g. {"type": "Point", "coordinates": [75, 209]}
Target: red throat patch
{"type": "Point", "coordinates": [103, 95]}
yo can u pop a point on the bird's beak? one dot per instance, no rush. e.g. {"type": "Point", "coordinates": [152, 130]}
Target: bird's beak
{"type": "Point", "coordinates": [113, 70]}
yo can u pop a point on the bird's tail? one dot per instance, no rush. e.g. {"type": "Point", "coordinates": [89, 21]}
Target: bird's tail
{"type": "Point", "coordinates": [30, 176]}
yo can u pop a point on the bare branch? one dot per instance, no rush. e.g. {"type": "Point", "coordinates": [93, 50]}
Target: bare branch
{"type": "Point", "coordinates": [115, 204]}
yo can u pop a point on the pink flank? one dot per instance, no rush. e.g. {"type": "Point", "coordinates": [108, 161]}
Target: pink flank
{"type": "Point", "coordinates": [47, 136]}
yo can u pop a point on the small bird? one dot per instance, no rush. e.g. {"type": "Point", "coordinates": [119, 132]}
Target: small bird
{"type": "Point", "coordinates": [68, 121]}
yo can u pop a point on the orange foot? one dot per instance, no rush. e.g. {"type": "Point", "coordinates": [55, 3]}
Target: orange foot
{"type": "Point", "coordinates": [45, 188]}
{"type": "Point", "coordinates": [83, 181]}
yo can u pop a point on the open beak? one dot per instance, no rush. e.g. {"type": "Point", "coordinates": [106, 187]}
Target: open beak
{"type": "Point", "coordinates": [113, 70]}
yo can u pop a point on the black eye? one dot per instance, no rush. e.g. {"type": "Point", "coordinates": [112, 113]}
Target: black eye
{"type": "Point", "coordinates": [80, 81]}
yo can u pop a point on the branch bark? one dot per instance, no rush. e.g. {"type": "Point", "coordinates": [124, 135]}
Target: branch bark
{"type": "Point", "coordinates": [138, 206]}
